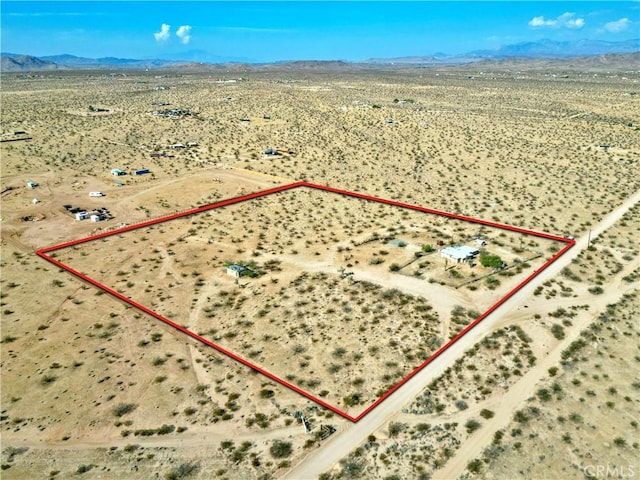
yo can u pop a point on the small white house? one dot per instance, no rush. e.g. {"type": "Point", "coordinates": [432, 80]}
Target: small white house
{"type": "Point", "coordinates": [459, 253]}
{"type": "Point", "coordinates": [192, 144]}
{"type": "Point", "coordinates": [35, 201]}
{"type": "Point", "coordinates": [32, 184]}
{"type": "Point", "coordinates": [82, 216]}
{"type": "Point", "coordinates": [177, 145]}
{"type": "Point", "coordinates": [96, 194]}
{"type": "Point", "coordinates": [96, 218]}
{"type": "Point", "coordinates": [117, 172]}
{"type": "Point", "coordinates": [235, 271]}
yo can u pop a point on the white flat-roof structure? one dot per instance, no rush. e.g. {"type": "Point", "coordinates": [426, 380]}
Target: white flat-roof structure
{"type": "Point", "coordinates": [459, 253]}
{"type": "Point", "coordinates": [235, 271]}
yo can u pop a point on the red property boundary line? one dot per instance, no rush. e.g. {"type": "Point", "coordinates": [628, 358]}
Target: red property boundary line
{"type": "Point", "coordinates": [43, 253]}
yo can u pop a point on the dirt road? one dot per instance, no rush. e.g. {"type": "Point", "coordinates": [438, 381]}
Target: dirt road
{"type": "Point", "coordinates": [195, 437]}
{"type": "Point", "coordinates": [342, 443]}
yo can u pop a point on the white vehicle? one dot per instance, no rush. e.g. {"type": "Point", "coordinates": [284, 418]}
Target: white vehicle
{"type": "Point", "coordinates": [96, 194]}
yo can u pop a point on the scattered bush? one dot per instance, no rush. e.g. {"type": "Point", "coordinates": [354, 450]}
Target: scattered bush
{"type": "Point", "coordinates": [486, 413]}
{"type": "Point", "coordinates": [493, 261]}
{"type": "Point", "coordinates": [158, 361]}
{"type": "Point", "coordinates": [352, 399]}
{"type": "Point", "coordinates": [280, 449]}
{"type": "Point", "coordinates": [395, 428]}
{"type": "Point", "coordinates": [544, 395]}
{"type": "Point", "coordinates": [352, 469]}
{"type": "Point", "coordinates": [266, 393]}
{"type": "Point", "coordinates": [84, 468]}
{"type": "Point", "coordinates": [619, 442]}
{"type": "Point", "coordinates": [124, 408]}
{"type": "Point", "coordinates": [183, 471]}
{"type": "Point", "coordinates": [47, 379]}
{"type": "Point", "coordinates": [558, 331]}
{"type": "Point", "coordinates": [472, 425]}
{"type": "Point", "coordinates": [475, 466]}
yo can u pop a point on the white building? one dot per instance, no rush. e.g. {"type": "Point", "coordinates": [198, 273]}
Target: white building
{"type": "Point", "coordinates": [459, 253]}
{"type": "Point", "coordinates": [235, 271]}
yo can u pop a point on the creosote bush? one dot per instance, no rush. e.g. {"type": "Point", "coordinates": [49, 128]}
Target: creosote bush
{"type": "Point", "coordinates": [183, 470]}
{"type": "Point", "coordinates": [124, 408]}
{"type": "Point", "coordinates": [280, 449]}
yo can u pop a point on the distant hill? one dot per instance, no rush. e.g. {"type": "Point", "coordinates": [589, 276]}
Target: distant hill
{"type": "Point", "coordinates": [542, 50]}
{"type": "Point", "coordinates": [609, 61]}
{"type": "Point", "coordinates": [553, 49]}
{"type": "Point", "coordinates": [12, 62]}
{"type": "Point", "coordinates": [72, 61]}
{"type": "Point", "coordinates": [24, 63]}
{"type": "Point", "coordinates": [419, 60]}
{"type": "Point", "coordinates": [308, 65]}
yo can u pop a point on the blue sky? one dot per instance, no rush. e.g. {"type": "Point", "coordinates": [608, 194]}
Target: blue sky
{"type": "Point", "coordinates": [272, 31]}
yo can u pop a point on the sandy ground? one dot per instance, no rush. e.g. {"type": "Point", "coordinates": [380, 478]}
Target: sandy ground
{"type": "Point", "coordinates": [353, 338]}
{"type": "Point", "coordinates": [85, 379]}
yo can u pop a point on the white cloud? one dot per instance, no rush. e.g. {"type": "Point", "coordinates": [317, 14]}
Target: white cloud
{"type": "Point", "coordinates": [184, 32]}
{"type": "Point", "coordinates": [566, 20]}
{"type": "Point", "coordinates": [617, 26]}
{"type": "Point", "coordinates": [540, 21]}
{"type": "Point", "coordinates": [163, 34]}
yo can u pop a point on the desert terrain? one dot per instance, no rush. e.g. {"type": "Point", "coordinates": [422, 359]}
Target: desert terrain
{"type": "Point", "coordinates": [91, 385]}
{"type": "Point", "coordinates": [350, 335]}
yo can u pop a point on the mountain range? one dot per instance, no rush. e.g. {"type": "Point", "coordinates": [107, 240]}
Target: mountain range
{"type": "Point", "coordinates": [541, 50]}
